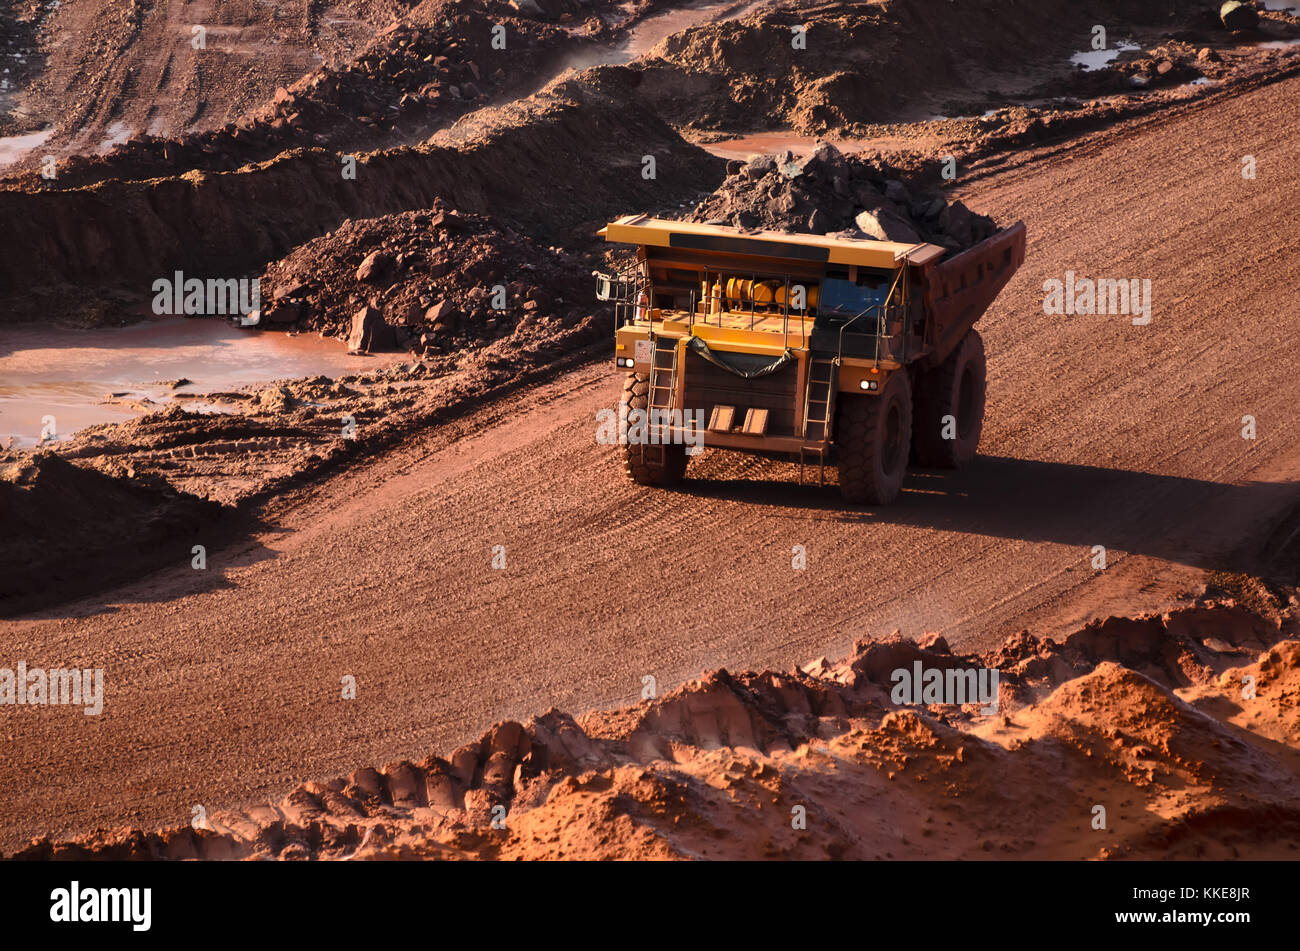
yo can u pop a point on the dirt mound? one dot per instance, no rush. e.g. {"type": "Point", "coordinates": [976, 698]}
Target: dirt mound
{"type": "Point", "coordinates": [823, 762]}
{"type": "Point", "coordinates": [820, 68]}
{"type": "Point", "coordinates": [146, 105]}
{"type": "Point", "coordinates": [440, 279]}
{"type": "Point", "coordinates": [64, 523]}
{"type": "Point", "coordinates": [829, 192]}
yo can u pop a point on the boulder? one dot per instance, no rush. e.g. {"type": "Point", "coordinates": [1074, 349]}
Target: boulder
{"type": "Point", "coordinates": [441, 312]}
{"type": "Point", "coordinates": [375, 268]}
{"type": "Point", "coordinates": [289, 288]}
{"type": "Point", "coordinates": [1238, 16]}
{"type": "Point", "coordinates": [826, 162]}
{"type": "Point", "coordinates": [447, 221]}
{"type": "Point", "coordinates": [759, 165]}
{"type": "Point", "coordinates": [884, 224]}
{"type": "Point", "coordinates": [960, 223]}
{"type": "Point", "coordinates": [370, 332]}
{"type": "Point", "coordinates": [897, 192]}
{"type": "Point", "coordinates": [277, 399]}
{"type": "Point", "coordinates": [866, 196]}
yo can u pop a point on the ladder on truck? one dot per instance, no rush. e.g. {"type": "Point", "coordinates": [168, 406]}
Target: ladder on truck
{"type": "Point", "coordinates": [659, 401]}
{"type": "Point", "coordinates": [818, 405]}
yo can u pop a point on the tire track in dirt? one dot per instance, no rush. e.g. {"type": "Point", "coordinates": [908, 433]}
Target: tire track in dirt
{"type": "Point", "coordinates": [223, 686]}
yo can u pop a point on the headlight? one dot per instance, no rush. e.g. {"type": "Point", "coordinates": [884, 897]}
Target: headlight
{"type": "Point", "coordinates": [868, 384]}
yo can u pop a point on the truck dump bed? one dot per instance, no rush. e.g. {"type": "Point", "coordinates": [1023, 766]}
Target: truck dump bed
{"type": "Point", "coordinates": [956, 292]}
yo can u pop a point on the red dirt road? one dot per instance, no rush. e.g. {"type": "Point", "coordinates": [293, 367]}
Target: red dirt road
{"type": "Point", "coordinates": [223, 686]}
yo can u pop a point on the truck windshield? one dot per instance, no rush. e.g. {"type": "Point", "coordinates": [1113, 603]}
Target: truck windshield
{"type": "Point", "coordinates": [842, 298]}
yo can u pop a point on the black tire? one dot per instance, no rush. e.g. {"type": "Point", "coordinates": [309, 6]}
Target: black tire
{"type": "Point", "coordinates": [958, 387]}
{"type": "Point", "coordinates": [642, 467]}
{"type": "Point", "coordinates": [872, 438]}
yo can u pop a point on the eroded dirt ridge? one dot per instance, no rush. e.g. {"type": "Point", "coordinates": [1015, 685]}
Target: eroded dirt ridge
{"type": "Point", "coordinates": [1174, 736]}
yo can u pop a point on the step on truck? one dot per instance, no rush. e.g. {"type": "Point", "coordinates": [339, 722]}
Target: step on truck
{"type": "Point", "coordinates": [823, 349]}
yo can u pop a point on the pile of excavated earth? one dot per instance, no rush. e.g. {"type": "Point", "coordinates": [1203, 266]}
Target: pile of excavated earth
{"type": "Point", "coordinates": [854, 66]}
{"type": "Point", "coordinates": [1158, 737]}
{"type": "Point", "coordinates": [553, 166]}
{"type": "Point", "coordinates": [418, 69]}
{"type": "Point", "coordinates": [830, 193]}
{"type": "Point", "coordinates": [92, 72]}
{"type": "Point", "coordinates": [432, 281]}
{"type": "Point", "coordinates": [553, 163]}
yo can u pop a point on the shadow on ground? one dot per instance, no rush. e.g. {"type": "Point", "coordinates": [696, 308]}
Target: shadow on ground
{"type": "Point", "coordinates": [1175, 518]}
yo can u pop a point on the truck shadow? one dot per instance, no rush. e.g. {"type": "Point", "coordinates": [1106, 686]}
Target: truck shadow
{"type": "Point", "coordinates": [1190, 521]}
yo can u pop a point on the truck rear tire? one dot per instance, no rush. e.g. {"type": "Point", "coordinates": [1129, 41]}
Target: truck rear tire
{"type": "Point", "coordinates": [644, 467]}
{"type": "Point", "coordinates": [956, 388]}
{"type": "Point", "coordinates": [872, 438]}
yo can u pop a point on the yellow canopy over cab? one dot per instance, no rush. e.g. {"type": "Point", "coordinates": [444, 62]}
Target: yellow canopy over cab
{"type": "Point", "coordinates": [810, 248]}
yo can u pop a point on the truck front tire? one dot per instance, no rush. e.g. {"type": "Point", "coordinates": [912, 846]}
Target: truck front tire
{"type": "Point", "coordinates": [872, 438]}
{"type": "Point", "coordinates": [644, 464]}
{"type": "Point", "coordinates": [950, 407]}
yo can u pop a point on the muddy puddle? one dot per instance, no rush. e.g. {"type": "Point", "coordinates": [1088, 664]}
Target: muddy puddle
{"type": "Point", "coordinates": [58, 381]}
{"type": "Point", "coordinates": [15, 147]}
{"type": "Point", "coordinates": [772, 143]}
{"type": "Point", "coordinates": [1099, 59]}
{"type": "Point", "coordinates": [653, 30]}
{"type": "Point", "coordinates": [116, 134]}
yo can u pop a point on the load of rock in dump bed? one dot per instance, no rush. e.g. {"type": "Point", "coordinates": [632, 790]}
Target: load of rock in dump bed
{"type": "Point", "coordinates": [831, 193]}
{"type": "Point", "coordinates": [433, 280]}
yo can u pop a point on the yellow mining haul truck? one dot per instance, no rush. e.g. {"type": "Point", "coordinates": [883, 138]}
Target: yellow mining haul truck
{"type": "Point", "coordinates": [815, 347]}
